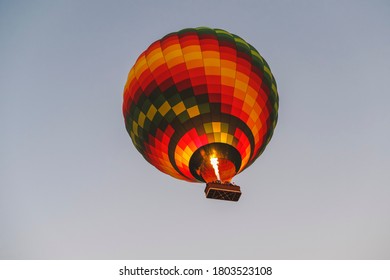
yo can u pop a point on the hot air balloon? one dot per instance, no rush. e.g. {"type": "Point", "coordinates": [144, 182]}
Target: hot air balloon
{"type": "Point", "coordinates": [201, 105]}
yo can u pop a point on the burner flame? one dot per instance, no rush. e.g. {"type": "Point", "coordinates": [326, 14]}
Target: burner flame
{"type": "Point", "coordinates": [214, 163]}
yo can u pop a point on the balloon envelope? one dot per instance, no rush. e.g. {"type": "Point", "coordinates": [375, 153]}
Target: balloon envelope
{"type": "Point", "coordinates": [200, 93]}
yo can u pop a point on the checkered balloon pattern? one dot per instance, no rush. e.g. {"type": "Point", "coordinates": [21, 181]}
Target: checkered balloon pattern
{"type": "Point", "coordinates": [196, 87]}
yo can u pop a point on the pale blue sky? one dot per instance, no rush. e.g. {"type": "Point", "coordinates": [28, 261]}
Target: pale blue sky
{"type": "Point", "coordinates": [73, 186]}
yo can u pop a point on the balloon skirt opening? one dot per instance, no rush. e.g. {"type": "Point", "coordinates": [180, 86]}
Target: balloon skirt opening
{"type": "Point", "coordinates": [229, 161]}
{"type": "Point", "coordinates": [221, 191]}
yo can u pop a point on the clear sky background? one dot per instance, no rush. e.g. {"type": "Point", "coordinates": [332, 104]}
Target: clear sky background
{"type": "Point", "coordinates": [72, 186]}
